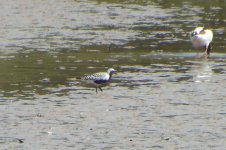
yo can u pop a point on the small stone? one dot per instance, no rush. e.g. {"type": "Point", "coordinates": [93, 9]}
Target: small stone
{"type": "Point", "coordinates": [20, 141]}
{"type": "Point", "coordinates": [166, 138]}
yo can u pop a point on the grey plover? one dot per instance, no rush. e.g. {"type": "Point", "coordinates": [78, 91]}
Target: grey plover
{"type": "Point", "coordinates": [98, 79]}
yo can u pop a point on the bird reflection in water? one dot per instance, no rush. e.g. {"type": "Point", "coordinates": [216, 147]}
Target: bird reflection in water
{"type": "Point", "coordinates": [204, 72]}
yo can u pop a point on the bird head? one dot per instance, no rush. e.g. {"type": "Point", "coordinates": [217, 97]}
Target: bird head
{"type": "Point", "coordinates": [111, 71]}
{"type": "Point", "coordinates": [197, 31]}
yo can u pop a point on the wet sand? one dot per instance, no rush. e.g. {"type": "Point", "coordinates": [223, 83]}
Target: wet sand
{"type": "Point", "coordinates": [161, 113]}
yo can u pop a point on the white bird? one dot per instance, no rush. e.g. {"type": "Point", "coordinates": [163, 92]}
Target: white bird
{"type": "Point", "coordinates": [98, 79]}
{"type": "Point", "coordinates": [201, 38]}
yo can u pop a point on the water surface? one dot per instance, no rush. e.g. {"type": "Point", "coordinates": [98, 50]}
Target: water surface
{"type": "Point", "coordinates": [166, 95]}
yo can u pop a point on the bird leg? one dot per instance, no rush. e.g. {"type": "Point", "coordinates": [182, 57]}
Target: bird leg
{"type": "Point", "coordinates": [101, 89]}
{"type": "Point", "coordinates": [207, 51]}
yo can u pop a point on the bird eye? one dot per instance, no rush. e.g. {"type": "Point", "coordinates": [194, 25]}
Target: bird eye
{"type": "Point", "coordinates": [193, 34]}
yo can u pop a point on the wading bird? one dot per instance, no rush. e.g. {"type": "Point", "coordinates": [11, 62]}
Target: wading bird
{"type": "Point", "coordinates": [98, 79]}
{"type": "Point", "coordinates": [201, 38]}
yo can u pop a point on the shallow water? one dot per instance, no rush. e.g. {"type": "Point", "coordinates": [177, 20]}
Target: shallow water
{"type": "Point", "coordinates": [165, 95]}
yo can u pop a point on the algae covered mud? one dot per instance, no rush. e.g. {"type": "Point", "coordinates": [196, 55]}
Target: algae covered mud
{"type": "Point", "coordinates": [165, 95]}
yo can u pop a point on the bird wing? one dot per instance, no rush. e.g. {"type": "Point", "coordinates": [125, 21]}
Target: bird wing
{"type": "Point", "coordinates": [97, 77]}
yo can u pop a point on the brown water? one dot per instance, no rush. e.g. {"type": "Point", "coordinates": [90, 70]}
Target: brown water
{"type": "Point", "coordinates": [164, 96]}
